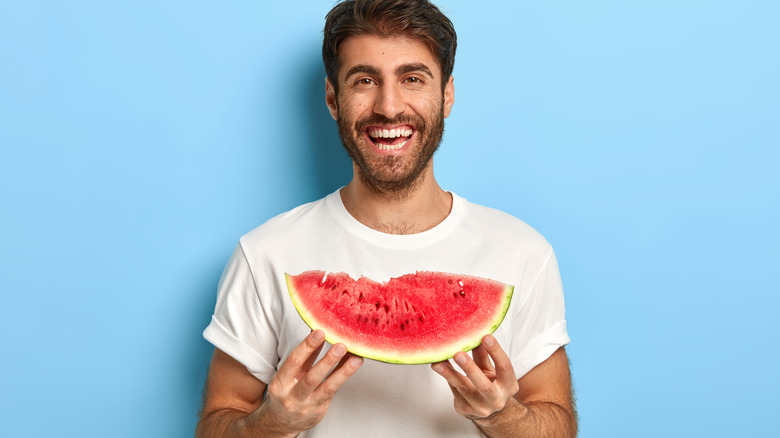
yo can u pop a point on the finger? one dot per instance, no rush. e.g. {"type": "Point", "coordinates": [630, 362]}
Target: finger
{"type": "Point", "coordinates": [482, 359]}
{"type": "Point", "coordinates": [505, 372]}
{"type": "Point", "coordinates": [346, 367]}
{"type": "Point", "coordinates": [443, 367]}
{"type": "Point", "coordinates": [312, 358]}
{"type": "Point", "coordinates": [467, 401]}
{"type": "Point", "coordinates": [478, 379]}
{"type": "Point", "coordinates": [459, 399]}
{"type": "Point", "coordinates": [344, 361]}
{"type": "Point", "coordinates": [462, 406]}
{"type": "Point", "coordinates": [301, 355]}
{"type": "Point", "coordinates": [458, 382]}
{"type": "Point", "coordinates": [314, 377]}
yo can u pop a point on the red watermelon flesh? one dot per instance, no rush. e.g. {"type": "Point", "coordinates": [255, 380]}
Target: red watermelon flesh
{"type": "Point", "coordinates": [417, 318]}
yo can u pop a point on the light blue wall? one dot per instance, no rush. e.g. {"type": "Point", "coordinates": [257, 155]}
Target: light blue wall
{"type": "Point", "coordinates": [141, 139]}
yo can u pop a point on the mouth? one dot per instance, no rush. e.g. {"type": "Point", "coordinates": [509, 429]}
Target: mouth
{"type": "Point", "coordinates": [389, 139]}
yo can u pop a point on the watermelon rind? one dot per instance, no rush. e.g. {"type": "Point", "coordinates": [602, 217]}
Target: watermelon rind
{"type": "Point", "coordinates": [364, 347]}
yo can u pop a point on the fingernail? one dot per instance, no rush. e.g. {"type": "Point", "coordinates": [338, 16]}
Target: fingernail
{"type": "Point", "coordinates": [339, 349]}
{"type": "Point", "coordinates": [355, 361]}
{"type": "Point", "coordinates": [438, 368]}
{"type": "Point", "coordinates": [488, 341]}
{"type": "Point", "coordinates": [461, 359]}
{"type": "Point", "coordinates": [318, 335]}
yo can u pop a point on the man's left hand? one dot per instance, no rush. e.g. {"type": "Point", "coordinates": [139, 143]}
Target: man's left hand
{"type": "Point", "coordinates": [489, 382]}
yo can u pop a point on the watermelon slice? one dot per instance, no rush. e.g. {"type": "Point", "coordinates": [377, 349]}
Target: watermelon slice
{"type": "Point", "coordinates": [417, 318]}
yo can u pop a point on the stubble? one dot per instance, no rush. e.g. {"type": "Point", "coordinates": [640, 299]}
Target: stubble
{"type": "Point", "coordinates": [393, 177]}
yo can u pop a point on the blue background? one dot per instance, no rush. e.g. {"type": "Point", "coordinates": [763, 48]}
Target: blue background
{"type": "Point", "coordinates": [141, 139]}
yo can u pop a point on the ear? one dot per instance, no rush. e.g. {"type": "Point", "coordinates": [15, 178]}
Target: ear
{"type": "Point", "coordinates": [330, 99]}
{"type": "Point", "coordinates": [449, 96]}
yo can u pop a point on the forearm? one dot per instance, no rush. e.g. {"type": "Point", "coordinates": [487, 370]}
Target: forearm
{"type": "Point", "coordinates": [531, 420]}
{"type": "Point", "coordinates": [228, 423]}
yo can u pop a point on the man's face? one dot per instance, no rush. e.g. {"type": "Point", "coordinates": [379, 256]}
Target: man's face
{"type": "Point", "coordinates": [390, 108]}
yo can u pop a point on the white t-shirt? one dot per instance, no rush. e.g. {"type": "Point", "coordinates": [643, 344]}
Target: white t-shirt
{"type": "Point", "coordinates": [256, 323]}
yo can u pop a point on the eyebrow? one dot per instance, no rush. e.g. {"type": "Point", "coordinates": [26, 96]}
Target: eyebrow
{"type": "Point", "coordinates": [362, 68]}
{"type": "Point", "coordinates": [402, 69]}
{"type": "Point", "coordinates": [417, 66]}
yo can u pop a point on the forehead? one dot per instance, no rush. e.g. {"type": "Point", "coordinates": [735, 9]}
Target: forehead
{"type": "Point", "coordinates": [385, 53]}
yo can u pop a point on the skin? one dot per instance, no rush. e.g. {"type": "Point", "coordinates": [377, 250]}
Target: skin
{"type": "Point", "coordinates": [387, 83]}
{"type": "Point", "coordinates": [298, 395]}
{"type": "Point", "coordinates": [539, 404]}
{"type": "Point", "coordinates": [391, 87]}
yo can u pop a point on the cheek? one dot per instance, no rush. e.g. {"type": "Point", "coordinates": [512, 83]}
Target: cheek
{"type": "Point", "coordinates": [358, 108]}
{"type": "Point", "coordinates": [352, 113]}
{"type": "Point", "coordinates": [430, 106]}
{"type": "Point", "coordinates": [355, 103]}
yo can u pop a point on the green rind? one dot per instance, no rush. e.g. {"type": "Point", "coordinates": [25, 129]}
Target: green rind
{"type": "Point", "coordinates": [441, 354]}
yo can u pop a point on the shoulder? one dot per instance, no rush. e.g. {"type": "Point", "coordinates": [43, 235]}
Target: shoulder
{"type": "Point", "coordinates": [504, 227]}
{"type": "Point", "coordinates": [286, 228]}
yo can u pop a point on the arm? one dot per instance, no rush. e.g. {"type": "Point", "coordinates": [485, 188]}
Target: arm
{"type": "Point", "coordinates": [538, 404]}
{"type": "Point", "coordinates": [298, 395]}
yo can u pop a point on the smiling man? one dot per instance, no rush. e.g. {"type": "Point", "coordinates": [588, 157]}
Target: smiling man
{"type": "Point", "coordinates": [390, 110]}
{"type": "Point", "coordinates": [389, 86]}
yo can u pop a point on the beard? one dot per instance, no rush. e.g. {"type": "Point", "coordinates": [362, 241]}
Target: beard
{"type": "Point", "coordinates": [395, 176]}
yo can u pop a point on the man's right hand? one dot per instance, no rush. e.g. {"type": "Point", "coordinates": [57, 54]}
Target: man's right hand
{"type": "Point", "coordinates": [298, 395]}
{"type": "Point", "coordinates": [300, 392]}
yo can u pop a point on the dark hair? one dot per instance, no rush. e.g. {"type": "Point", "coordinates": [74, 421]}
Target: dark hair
{"type": "Point", "coordinates": [419, 19]}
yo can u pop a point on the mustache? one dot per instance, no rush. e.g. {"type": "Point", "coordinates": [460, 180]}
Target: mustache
{"type": "Point", "coordinates": [402, 119]}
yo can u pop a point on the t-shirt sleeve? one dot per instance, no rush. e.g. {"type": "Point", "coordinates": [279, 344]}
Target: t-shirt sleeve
{"type": "Point", "coordinates": [541, 319]}
{"type": "Point", "coordinates": [240, 326]}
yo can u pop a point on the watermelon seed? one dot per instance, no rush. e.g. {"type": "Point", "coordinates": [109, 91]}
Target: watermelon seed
{"type": "Point", "coordinates": [377, 305]}
{"type": "Point", "coordinates": [334, 288]}
{"type": "Point", "coordinates": [387, 308]}
{"type": "Point", "coordinates": [460, 283]}
{"type": "Point", "coordinates": [463, 293]}
{"type": "Point", "coordinates": [449, 281]}
{"type": "Point", "coordinates": [360, 298]}
{"type": "Point", "coordinates": [402, 326]}
{"type": "Point", "coordinates": [455, 295]}
{"type": "Point", "coordinates": [421, 318]}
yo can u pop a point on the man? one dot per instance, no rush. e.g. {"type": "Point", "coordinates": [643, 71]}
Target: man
{"type": "Point", "coordinates": [389, 87]}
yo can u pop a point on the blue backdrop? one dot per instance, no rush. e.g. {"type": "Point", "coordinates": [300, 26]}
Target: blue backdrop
{"type": "Point", "coordinates": [141, 139]}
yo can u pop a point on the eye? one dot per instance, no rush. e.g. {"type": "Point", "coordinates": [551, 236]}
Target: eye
{"type": "Point", "coordinates": [414, 80]}
{"type": "Point", "coordinates": [364, 81]}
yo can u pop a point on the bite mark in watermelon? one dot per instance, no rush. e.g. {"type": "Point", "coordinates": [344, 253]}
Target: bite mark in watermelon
{"type": "Point", "coordinates": [417, 318]}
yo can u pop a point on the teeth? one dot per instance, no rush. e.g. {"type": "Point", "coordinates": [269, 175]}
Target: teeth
{"type": "Point", "coordinates": [389, 133]}
{"type": "Point", "coordinates": [394, 147]}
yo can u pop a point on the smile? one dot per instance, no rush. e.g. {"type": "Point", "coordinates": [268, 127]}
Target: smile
{"type": "Point", "coordinates": [390, 139]}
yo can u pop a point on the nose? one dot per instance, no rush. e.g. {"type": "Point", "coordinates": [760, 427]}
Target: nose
{"type": "Point", "coordinates": [389, 101]}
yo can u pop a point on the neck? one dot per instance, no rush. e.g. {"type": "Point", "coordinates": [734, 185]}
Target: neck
{"type": "Point", "coordinates": [421, 207]}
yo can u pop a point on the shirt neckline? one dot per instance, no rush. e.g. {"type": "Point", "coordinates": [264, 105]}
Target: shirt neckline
{"type": "Point", "coordinates": [395, 241]}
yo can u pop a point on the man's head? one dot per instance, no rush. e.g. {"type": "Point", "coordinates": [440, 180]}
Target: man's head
{"type": "Point", "coordinates": [389, 87]}
{"type": "Point", "coordinates": [415, 19]}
